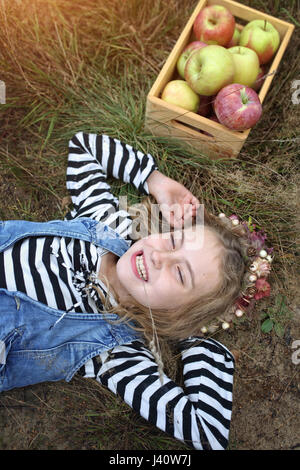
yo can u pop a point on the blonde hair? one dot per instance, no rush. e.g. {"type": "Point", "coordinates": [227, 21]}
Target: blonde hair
{"type": "Point", "coordinates": [172, 323]}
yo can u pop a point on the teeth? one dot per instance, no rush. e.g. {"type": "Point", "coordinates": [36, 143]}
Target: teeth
{"type": "Point", "coordinates": [141, 268]}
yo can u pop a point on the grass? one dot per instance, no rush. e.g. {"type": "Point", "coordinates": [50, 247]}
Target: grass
{"type": "Point", "coordinates": [275, 317]}
{"type": "Point", "coordinates": [71, 66]}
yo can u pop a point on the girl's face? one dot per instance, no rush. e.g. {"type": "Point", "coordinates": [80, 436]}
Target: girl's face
{"type": "Point", "coordinates": [173, 268]}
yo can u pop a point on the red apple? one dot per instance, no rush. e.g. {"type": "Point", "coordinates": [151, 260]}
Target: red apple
{"type": "Point", "coordinates": [187, 51]}
{"type": "Point", "coordinates": [259, 79]}
{"type": "Point", "coordinates": [205, 105]}
{"type": "Point", "coordinates": [237, 107]}
{"type": "Point", "coordinates": [213, 117]}
{"type": "Point", "coordinates": [214, 25]}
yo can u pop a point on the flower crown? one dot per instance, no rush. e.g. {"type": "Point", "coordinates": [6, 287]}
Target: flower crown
{"type": "Point", "coordinates": [258, 261]}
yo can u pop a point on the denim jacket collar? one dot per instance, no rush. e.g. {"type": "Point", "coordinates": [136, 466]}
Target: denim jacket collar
{"type": "Point", "coordinates": [84, 228]}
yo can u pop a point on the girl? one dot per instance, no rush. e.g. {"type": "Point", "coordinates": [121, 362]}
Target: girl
{"type": "Point", "coordinates": [78, 296]}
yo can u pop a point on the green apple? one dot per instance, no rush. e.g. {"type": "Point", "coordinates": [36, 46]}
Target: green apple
{"type": "Point", "coordinates": [179, 92]}
{"type": "Point", "coordinates": [235, 38]}
{"type": "Point", "coordinates": [262, 37]}
{"type": "Point", "coordinates": [209, 69]}
{"type": "Point", "coordinates": [188, 50]}
{"type": "Point", "coordinates": [246, 65]}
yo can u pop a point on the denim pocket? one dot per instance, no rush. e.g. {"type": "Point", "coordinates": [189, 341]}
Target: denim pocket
{"type": "Point", "coordinates": [6, 344]}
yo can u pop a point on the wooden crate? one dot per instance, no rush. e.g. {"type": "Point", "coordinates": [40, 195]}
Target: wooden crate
{"type": "Point", "coordinates": [166, 120]}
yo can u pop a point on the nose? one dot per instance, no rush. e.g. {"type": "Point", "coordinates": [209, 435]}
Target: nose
{"type": "Point", "coordinates": [161, 258]}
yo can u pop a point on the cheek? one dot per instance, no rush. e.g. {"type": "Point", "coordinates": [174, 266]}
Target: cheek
{"type": "Point", "coordinates": [207, 282]}
{"type": "Point", "coordinates": [162, 294]}
{"type": "Point", "coordinates": [122, 270]}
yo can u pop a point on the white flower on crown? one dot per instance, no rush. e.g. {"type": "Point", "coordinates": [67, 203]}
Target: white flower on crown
{"type": "Point", "coordinates": [261, 267]}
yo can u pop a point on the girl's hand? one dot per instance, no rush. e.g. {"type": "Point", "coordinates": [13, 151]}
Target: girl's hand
{"type": "Point", "coordinates": [177, 203]}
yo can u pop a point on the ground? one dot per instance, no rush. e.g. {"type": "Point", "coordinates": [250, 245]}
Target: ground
{"type": "Point", "coordinates": [265, 413]}
{"type": "Point", "coordinates": [89, 67]}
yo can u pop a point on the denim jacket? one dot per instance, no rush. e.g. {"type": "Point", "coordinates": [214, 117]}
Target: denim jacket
{"type": "Point", "coordinates": [34, 345]}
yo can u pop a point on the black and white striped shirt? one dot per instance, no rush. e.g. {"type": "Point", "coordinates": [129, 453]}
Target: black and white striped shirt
{"type": "Point", "coordinates": [55, 270]}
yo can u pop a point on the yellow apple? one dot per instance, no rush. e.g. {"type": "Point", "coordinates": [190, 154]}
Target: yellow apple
{"type": "Point", "coordinates": [179, 92]}
{"type": "Point", "coordinates": [246, 65]}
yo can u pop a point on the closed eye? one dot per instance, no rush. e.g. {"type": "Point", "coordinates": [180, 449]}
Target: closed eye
{"type": "Point", "coordinates": [178, 269]}
{"type": "Point", "coordinates": [180, 275]}
{"type": "Point", "coordinates": [173, 241]}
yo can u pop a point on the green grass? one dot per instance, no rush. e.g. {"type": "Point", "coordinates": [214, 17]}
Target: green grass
{"type": "Point", "coordinates": [276, 317]}
{"type": "Point", "coordinates": [71, 66]}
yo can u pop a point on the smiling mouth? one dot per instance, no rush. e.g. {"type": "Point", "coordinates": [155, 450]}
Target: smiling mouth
{"type": "Point", "coordinates": [139, 266]}
{"type": "Point", "coordinates": [139, 260]}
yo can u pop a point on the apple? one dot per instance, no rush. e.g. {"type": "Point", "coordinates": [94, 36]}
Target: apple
{"type": "Point", "coordinates": [213, 117]}
{"type": "Point", "coordinates": [235, 38]}
{"type": "Point", "coordinates": [246, 65]}
{"type": "Point", "coordinates": [214, 25]}
{"type": "Point", "coordinates": [259, 79]}
{"type": "Point", "coordinates": [205, 105]}
{"type": "Point", "coordinates": [237, 107]}
{"type": "Point", "coordinates": [189, 49]}
{"type": "Point", "coordinates": [209, 69]}
{"type": "Point", "coordinates": [179, 92]}
{"type": "Point", "coordinates": [262, 37]}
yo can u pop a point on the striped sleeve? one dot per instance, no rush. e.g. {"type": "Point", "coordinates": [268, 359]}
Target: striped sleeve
{"type": "Point", "coordinates": [92, 159]}
{"type": "Point", "coordinates": [199, 414]}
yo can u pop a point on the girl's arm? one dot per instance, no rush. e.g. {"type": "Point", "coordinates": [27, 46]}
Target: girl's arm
{"type": "Point", "coordinates": [199, 415]}
{"type": "Point", "coordinates": [92, 159]}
